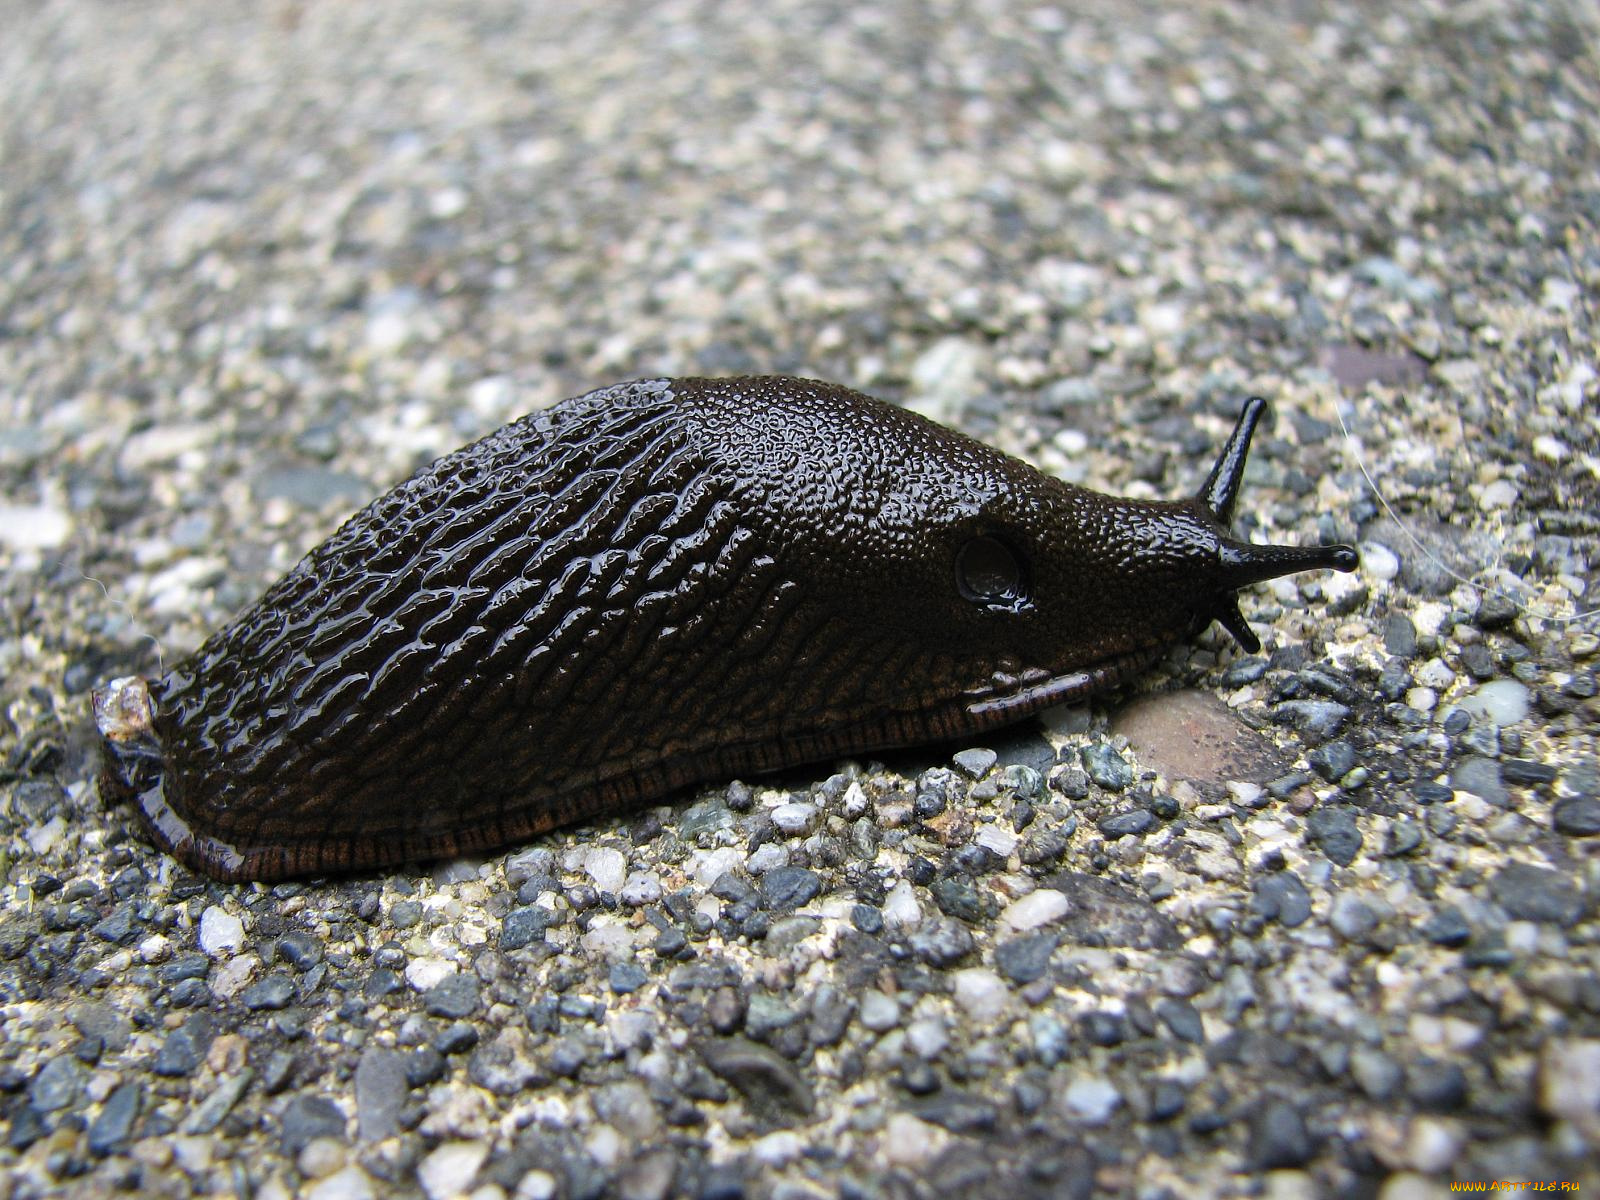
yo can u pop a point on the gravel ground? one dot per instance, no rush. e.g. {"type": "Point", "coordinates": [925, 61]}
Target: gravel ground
{"type": "Point", "coordinates": [1314, 922]}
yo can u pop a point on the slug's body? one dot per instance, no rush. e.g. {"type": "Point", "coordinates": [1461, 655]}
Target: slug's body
{"type": "Point", "coordinates": [650, 586]}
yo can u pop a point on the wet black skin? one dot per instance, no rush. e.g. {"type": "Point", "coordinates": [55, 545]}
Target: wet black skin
{"type": "Point", "coordinates": [651, 586]}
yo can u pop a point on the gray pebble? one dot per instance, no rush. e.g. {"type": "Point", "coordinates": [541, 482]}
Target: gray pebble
{"type": "Point", "coordinates": [185, 1047]}
{"type": "Point", "coordinates": [306, 1118]}
{"type": "Point", "coordinates": [1317, 720]}
{"type": "Point", "coordinates": [454, 996]}
{"type": "Point", "coordinates": [1577, 816]}
{"type": "Point", "coordinates": [1106, 767]}
{"type": "Point", "coordinates": [1026, 958]}
{"type": "Point", "coordinates": [1481, 777]}
{"type": "Point", "coordinates": [1530, 893]}
{"type": "Point", "coordinates": [58, 1083]}
{"type": "Point", "coordinates": [1352, 918]}
{"type": "Point", "coordinates": [627, 977]}
{"type": "Point", "coordinates": [1281, 896]}
{"type": "Point", "coordinates": [787, 888]}
{"type": "Point", "coordinates": [273, 992]}
{"type": "Point", "coordinates": [768, 1081]}
{"type": "Point", "coordinates": [1133, 823]}
{"type": "Point", "coordinates": [112, 1127]}
{"type": "Point", "coordinates": [975, 762]}
{"type": "Point", "coordinates": [1332, 829]}
{"type": "Point", "coordinates": [1279, 1139]}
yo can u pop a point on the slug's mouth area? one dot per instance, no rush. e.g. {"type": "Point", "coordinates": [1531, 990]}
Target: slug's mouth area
{"type": "Point", "coordinates": [1007, 696]}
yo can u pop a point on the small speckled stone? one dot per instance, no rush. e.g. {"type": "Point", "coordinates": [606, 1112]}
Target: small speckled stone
{"type": "Point", "coordinates": [975, 762]}
{"type": "Point", "coordinates": [454, 996]}
{"type": "Point", "coordinates": [1106, 767]}
{"type": "Point", "coordinates": [113, 1125]}
{"type": "Point", "coordinates": [1577, 816]}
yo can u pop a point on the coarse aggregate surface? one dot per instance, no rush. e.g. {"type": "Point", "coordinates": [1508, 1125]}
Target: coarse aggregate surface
{"type": "Point", "coordinates": [1318, 921]}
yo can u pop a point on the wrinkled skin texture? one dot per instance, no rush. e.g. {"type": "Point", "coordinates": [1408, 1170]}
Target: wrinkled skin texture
{"type": "Point", "coordinates": [650, 586]}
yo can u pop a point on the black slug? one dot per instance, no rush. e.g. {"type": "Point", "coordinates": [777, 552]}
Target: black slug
{"type": "Point", "coordinates": [650, 586]}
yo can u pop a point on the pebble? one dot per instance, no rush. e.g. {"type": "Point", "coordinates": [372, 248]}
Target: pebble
{"type": "Point", "coordinates": [878, 1012]}
{"type": "Point", "coordinates": [1577, 816]}
{"type": "Point", "coordinates": [450, 1168]}
{"type": "Point", "coordinates": [1352, 918]}
{"type": "Point", "coordinates": [787, 888]}
{"type": "Point", "coordinates": [1481, 777]}
{"type": "Point", "coordinates": [58, 1084]}
{"type": "Point", "coordinates": [1027, 958]}
{"type": "Point", "coordinates": [307, 1117]}
{"type": "Point", "coordinates": [380, 1089]}
{"type": "Point", "coordinates": [1500, 701]}
{"type": "Point", "coordinates": [762, 1075]}
{"type": "Point", "coordinates": [975, 762]}
{"type": "Point", "coordinates": [1532, 893]}
{"type": "Point", "coordinates": [1278, 1137]}
{"type": "Point", "coordinates": [1379, 561]}
{"type": "Point", "coordinates": [1106, 767]}
{"type": "Point", "coordinates": [1332, 829]}
{"type": "Point", "coordinates": [981, 994]}
{"type": "Point", "coordinates": [1091, 1100]}
{"type": "Point", "coordinates": [1038, 908]}
{"type": "Point", "coordinates": [1283, 898]}
{"type": "Point", "coordinates": [640, 888]}
{"type": "Point", "coordinates": [113, 1125]}
{"type": "Point", "coordinates": [455, 996]}
{"type": "Point", "coordinates": [795, 820]}
{"type": "Point", "coordinates": [349, 1183]}
{"type": "Point", "coordinates": [607, 867]}
{"type": "Point", "coordinates": [221, 932]}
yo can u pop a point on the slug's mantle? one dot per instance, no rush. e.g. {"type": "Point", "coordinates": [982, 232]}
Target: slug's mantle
{"type": "Point", "coordinates": [650, 586]}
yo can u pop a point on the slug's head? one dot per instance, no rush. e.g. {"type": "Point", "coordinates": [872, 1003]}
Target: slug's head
{"type": "Point", "coordinates": [954, 587]}
{"type": "Point", "coordinates": [1017, 590]}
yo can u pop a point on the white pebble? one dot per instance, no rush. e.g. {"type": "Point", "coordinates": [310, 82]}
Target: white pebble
{"type": "Point", "coordinates": [996, 839]}
{"type": "Point", "coordinates": [928, 1037]}
{"type": "Point", "coordinates": [229, 979]}
{"type": "Point", "coordinates": [446, 1172]}
{"type": "Point", "coordinates": [425, 973]}
{"type": "Point", "coordinates": [607, 867]}
{"type": "Point", "coordinates": [33, 526]}
{"type": "Point", "coordinates": [981, 993]}
{"type": "Point", "coordinates": [1091, 1100]}
{"type": "Point", "coordinates": [768, 858]}
{"type": "Point", "coordinates": [352, 1183]}
{"type": "Point", "coordinates": [795, 819]}
{"type": "Point", "coordinates": [220, 932]}
{"type": "Point", "coordinates": [45, 838]}
{"type": "Point", "coordinates": [1379, 561]}
{"type": "Point", "coordinates": [879, 1012]}
{"type": "Point", "coordinates": [1501, 701]}
{"type": "Point", "coordinates": [910, 1142]}
{"type": "Point", "coordinates": [640, 888]}
{"type": "Point", "coordinates": [1569, 1079]}
{"type": "Point", "coordinates": [855, 802]}
{"type": "Point", "coordinates": [1433, 1145]}
{"type": "Point", "coordinates": [708, 866]}
{"type": "Point", "coordinates": [1422, 699]}
{"type": "Point", "coordinates": [778, 1149]}
{"type": "Point", "coordinates": [1035, 909]}
{"type": "Point", "coordinates": [1435, 674]}
{"type": "Point", "coordinates": [900, 907]}
{"type": "Point", "coordinates": [536, 1185]}
{"type": "Point", "coordinates": [1502, 493]}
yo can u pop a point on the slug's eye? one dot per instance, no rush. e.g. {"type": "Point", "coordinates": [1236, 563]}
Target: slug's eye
{"type": "Point", "coordinates": [990, 574]}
